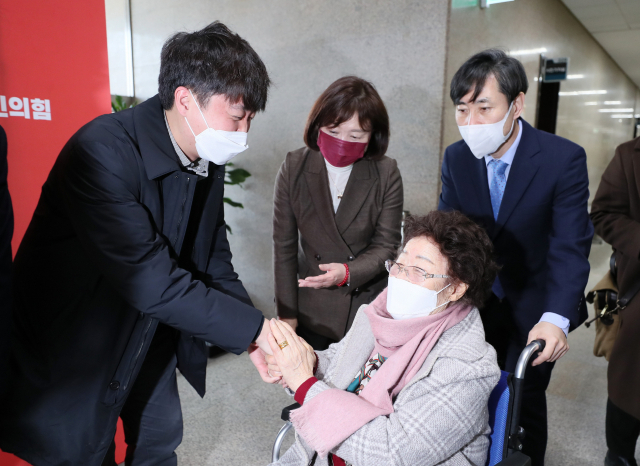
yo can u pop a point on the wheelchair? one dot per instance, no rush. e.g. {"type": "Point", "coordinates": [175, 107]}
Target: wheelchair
{"type": "Point", "coordinates": [505, 448]}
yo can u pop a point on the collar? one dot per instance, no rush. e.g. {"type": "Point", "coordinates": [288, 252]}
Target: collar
{"type": "Point", "coordinates": [199, 167]}
{"type": "Point", "coordinates": [337, 170]}
{"type": "Point", "coordinates": [154, 143]}
{"type": "Point", "coordinates": [508, 156]}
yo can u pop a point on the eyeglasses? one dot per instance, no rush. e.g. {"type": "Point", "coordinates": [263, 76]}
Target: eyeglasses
{"type": "Point", "coordinates": [414, 274]}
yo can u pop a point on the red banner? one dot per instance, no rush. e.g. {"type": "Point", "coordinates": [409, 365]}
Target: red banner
{"type": "Point", "coordinates": [54, 78]}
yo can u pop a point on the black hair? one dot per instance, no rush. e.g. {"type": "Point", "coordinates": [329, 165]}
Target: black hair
{"type": "Point", "coordinates": [213, 61]}
{"type": "Point", "coordinates": [472, 75]}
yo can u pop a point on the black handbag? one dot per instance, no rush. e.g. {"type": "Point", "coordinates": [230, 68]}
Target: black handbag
{"type": "Point", "coordinates": [607, 301]}
{"type": "Point", "coordinates": [605, 297]}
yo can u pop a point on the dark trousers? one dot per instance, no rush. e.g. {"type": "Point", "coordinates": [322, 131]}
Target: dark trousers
{"type": "Point", "coordinates": [500, 331]}
{"type": "Point", "coordinates": [152, 416]}
{"type": "Point", "coordinates": [318, 342]}
{"type": "Point", "coordinates": [623, 431]}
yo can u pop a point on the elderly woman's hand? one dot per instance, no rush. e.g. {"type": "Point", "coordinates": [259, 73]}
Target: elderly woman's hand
{"type": "Point", "coordinates": [294, 360]}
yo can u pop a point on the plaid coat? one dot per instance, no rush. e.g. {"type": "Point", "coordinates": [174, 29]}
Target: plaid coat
{"type": "Point", "coordinates": [440, 417]}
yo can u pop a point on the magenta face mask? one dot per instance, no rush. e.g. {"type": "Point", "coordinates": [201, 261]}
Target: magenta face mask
{"type": "Point", "coordinates": [340, 153]}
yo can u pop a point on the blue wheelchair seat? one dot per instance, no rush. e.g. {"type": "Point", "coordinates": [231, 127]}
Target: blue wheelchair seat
{"type": "Point", "coordinates": [499, 409]}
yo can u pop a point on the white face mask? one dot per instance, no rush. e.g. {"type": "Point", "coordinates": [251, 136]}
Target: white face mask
{"type": "Point", "coordinates": [486, 139]}
{"type": "Point", "coordinates": [218, 146]}
{"type": "Point", "coordinates": [406, 300]}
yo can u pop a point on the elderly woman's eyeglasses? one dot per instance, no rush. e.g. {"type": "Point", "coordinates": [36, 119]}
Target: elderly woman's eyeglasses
{"type": "Point", "coordinates": [414, 274]}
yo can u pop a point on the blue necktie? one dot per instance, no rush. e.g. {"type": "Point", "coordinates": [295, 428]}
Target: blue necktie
{"type": "Point", "coordinates": [498, 183]}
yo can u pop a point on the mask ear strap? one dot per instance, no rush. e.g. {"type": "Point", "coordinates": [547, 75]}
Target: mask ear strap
{"type": "Point", "coordinates": [194, 134]}
{"type": "Point", "coordinates": [444, 288]}
{"type": "Point", "coordinates": [194, 99]}
{"type": "Point", "coordinates": [513, 123]}
{"type": "Point", "coordinates": [443, 304]}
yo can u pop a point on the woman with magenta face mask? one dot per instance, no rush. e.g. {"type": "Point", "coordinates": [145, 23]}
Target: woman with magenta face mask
{"type": "Point", "coordinates": [337, 213]}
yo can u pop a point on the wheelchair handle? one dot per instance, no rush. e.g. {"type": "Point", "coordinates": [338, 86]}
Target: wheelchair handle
{"type": "Point", "coordinates": [523, 361]}
{"type": "Point", "coordinates": [516, 433]}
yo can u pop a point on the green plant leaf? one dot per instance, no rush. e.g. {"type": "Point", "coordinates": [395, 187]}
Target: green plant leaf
{"type": "Point", "coordinates": [233, 203]}
{"type": "Point", "coordinates": [229, 228]}
{"type": "Point", "coordinates": [118, 104]}
{"type": "Point", "coordinates": [237, 176]}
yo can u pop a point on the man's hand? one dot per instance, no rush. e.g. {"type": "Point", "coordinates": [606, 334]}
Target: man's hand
{"type": "Point", "coordinates": [259, 350]}
{"type": "Point", "coordinates": [263, 339]}
{"type": "Point", "coordinates": [257, 357]}
{"type": "Point", "coordinates": [335, 274]}
{"type": "Point", "coordinates": [292, 322]}
{"type": "Point", "coordinates": [555, 339]}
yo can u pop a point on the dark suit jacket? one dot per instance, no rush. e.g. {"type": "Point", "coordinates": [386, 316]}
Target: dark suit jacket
{"type": "Point", "coordinates": [95, 273]}
{"type": "Point", "coordinates": [542, 236]}
{"type": "Point", "coordinates": [6, 233]}
{"type": "Point", "coordinates": [364, 232]}
{"type": "Point", "coordinates": [616, 216]}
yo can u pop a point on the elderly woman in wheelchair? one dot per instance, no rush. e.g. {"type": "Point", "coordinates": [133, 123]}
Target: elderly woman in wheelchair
{"type": "Point", "coordinates": [410, 381]}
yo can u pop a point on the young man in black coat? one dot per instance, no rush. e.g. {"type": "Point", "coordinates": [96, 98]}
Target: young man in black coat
{"type": "Point", "coordinates": [125, 270]}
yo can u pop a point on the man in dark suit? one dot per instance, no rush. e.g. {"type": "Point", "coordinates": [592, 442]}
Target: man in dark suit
{"type": "Point", "coordinates": [125, 270]}
{"type": "Point", "coordinates": [529, 190]}
{"type": "Point", "coordinates": [6, 233]}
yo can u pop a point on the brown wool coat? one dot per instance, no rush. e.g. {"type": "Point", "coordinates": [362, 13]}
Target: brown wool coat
{"type": "Point", "coordinates": [615, 213]}
{"type": "Point", "coordinates": [364, 232]}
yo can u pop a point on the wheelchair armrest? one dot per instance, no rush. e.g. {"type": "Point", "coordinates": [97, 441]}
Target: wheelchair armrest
{"type": "Point", "coordinates": [286, 411]}
{"type": "Point", "coordinates": [517, 459]}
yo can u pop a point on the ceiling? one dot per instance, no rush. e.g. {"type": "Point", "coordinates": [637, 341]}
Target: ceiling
{"type": "Point", "coordinates": [615, 24]}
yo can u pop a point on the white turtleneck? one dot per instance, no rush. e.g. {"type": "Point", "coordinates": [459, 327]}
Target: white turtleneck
{"type": "Point", "coordinates": [338, 178]}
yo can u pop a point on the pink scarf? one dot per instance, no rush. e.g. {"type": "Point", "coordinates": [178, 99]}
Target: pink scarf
{"type": "Point", "coordinates": [332, 416]}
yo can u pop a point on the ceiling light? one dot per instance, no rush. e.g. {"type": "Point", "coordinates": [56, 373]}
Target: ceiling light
{"type": "Point", "coordinates": [622, 115]}
{"type": "Point", "coordinates": [612, 102]}
{"type": "Point", "coordinates": [591, 103]}
{"type": "Point", "coordinates": [613, 110]}
{"type": "Point", "coordinates": [528, 52]}
{"type": "Point", "coordinates": [575, 76]}
{"type": "Point", "coordinates": [582, 93]}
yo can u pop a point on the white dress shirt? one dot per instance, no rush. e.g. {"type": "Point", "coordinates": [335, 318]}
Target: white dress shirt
{"type": "Point", "coordinates": [551, 317]}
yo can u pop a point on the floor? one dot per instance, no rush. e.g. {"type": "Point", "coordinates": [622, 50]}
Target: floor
{"type": "Point", "coordinates": [238, 419]}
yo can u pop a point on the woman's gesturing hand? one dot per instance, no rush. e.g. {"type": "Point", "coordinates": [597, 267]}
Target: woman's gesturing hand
{"type": "Point", "coordinates": [295, 360]}
{"type": "Point", "coordinates": [335, 274]}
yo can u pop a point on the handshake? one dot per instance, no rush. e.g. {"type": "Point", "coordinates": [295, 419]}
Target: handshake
{"type": "Point", "coordinates": [281, 356]}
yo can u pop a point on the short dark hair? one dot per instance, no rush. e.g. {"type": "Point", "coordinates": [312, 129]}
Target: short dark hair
{"type": "Point", "coordinates": [213, 61]}
{"type": "Point", "coordinates": [343, 99]}
{"type": "Point", "coordinates": [466, 246]}
{"type": "Point", "coordinates": [472, 75]}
